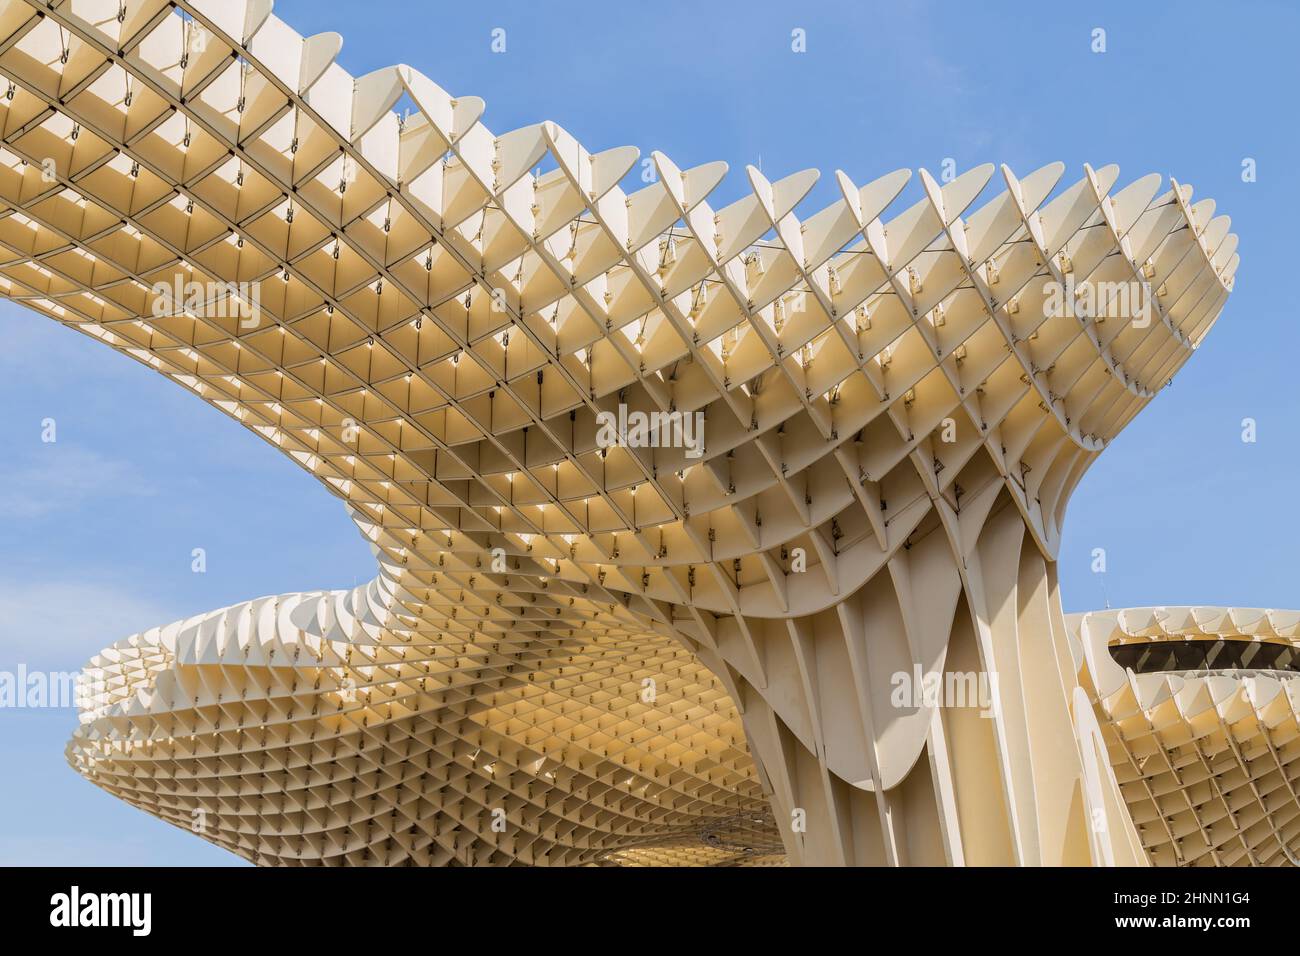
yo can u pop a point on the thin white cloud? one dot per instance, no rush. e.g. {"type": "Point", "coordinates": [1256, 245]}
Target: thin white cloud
{"type": "Point", "coordinates": [58, 477]}
{"type": "Point", "coordinates": [59, 626]}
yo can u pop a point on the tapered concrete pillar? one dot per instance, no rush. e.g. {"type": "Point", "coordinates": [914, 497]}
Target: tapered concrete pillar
{"type": "Point", "coordinates": [929, 718]}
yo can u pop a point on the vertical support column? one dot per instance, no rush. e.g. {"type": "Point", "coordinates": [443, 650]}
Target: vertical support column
{"type": "Point", "coordinates": [927, 717]}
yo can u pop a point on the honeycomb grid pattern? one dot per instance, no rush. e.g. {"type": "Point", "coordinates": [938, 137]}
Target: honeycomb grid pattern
{"type": "Point", "coordinates": [282, 730]}
{"type": "Point", "coordinates": [1207, 759]}
{"type": "Point", "coordinates": [440, 321]}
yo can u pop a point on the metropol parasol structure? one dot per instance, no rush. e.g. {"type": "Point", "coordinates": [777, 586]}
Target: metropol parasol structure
{"type": "Point", "coordinates": [589, 651]}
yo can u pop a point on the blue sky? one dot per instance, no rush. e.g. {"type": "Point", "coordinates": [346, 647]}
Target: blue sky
{"type": "Point", "coordinates": [96, 530]}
